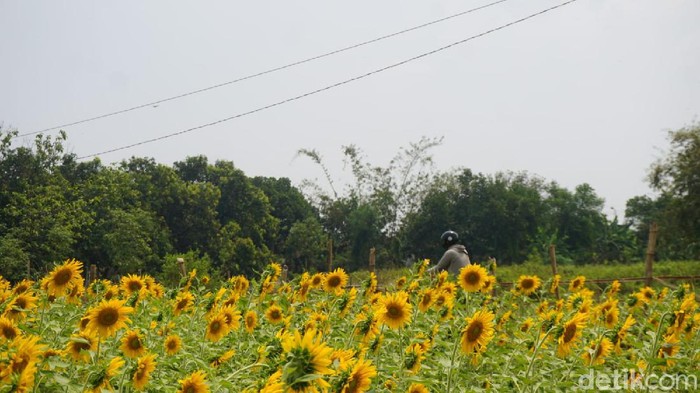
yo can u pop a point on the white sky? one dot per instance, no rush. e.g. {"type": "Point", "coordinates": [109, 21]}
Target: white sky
{"type": "Point", "coordinates": [585, 93]}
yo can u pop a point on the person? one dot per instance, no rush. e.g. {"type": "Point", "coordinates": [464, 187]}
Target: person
{"type": "Point", "coordinates": [455, 256]}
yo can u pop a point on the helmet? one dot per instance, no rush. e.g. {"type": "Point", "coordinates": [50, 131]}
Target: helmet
{"type": "Point", "coordinates": [449, 238]}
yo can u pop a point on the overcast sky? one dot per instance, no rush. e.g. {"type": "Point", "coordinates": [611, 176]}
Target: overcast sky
{"type": "Point", "coordinates": [583, 94]}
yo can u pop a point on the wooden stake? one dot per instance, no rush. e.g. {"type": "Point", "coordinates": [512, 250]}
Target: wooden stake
{"type": "Point", "coordinates": [553, 261]}
{"type": "Point", "coordinates": [330, 254]}
{"type": "Point", "coordinates": [181, 266]}
{"type": "Point", "coordinates": [371, 259]}
{"type": "Point", "coordinates": [651, 253]}
{"type": "Point", "coordinates": [92, 276]}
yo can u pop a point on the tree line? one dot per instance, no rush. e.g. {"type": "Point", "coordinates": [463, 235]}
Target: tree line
{"type": "Point", "coordinates": [140, 215]}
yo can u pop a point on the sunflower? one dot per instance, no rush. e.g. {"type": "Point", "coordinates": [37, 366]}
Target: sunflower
{"type": "Point", "coordinates": [239, 284]}
{"type": "Point", "coordinates": [307, 356]}
{"type": "Point", "coordinates": [414, 357]}
{"type": "Point", "coordinates": [346, 301]}
{"type": "Point", "coordinates": [526, 325]}
{"type": "Point", "coordinates": [8, 330]}
{"type": "Point", "coordinates": [669, 347]}
{"type": "Point", "coordinates": [195, 383]}
{"type": "Point", "coordinates": [577, 283]}
{"type": "Point", "coordinates": [360, 377]}
{"type": "Point", "coordinates": [478, 332]}
{"type": "Point", "coordinates": [232, 315]}
{"type": "Point", "coordinates": [172, 344]}
{"type": "Point", "coordinates": [366, 325]}
{"type": "Point", "coordinates": [226, 356]}
{"type": "Point", "coordinates": [217, 328]}
{"type": "Point", "coordinates": [25, 351]}
{"type": "Point", "coordinates": [555, 284]}
{"type": "Point", "coordinates": [101, 380]}
{"type": "Point", "coordinates": [79, 345]}
{"type": "Point", "coordinates": [20, 287]}
{"type": "Point", "coordinates": [417, 388]}
{"type": "Point", "coordinates": [335, 281]}
{"type": "Point", "coordinates": [251, 321]}
{"type": "Point", "coordinates": [647, 294]}
{"type": "Point", "coordinates": [395, 310]}
{"type": "Point", "coordinates": [472, 277]}
{"type": "Point", "coordinates": [144, 368]}
{"type": "Point", "coordinates": [597, 352]}
{"type": "Point", "coordinates": [108, 317]}
{"type": "Point", "coordinates": [611, 317]}
{"type": "Point", "coordinates": [527, 285]}
{"type": "Point", "coordinates": [23, 302]}
{"type": "Point", "coordinates": [274, 314]}
{"type": "Point", "coordinates": [64, 276]}
{"type": "Point", "coordinates": [427, 298]}
{"type": "Point", "coordinates": [571, 331]}
{"type": "Point", "coordinates": [274, 384]}
{"type": "Point", "coordinates": [401, 282]}
{"type": "Point", "coordinates": [614, 288]}
{"type": "Point", "coordinates": [132, 344]}
{"type": "Point", "coordinates": [317, 280]}
{"type": "Point", "coordinates": [489, 284]}
{"type": "Point", "coordinates": [131, 284]}
{"type": "Point", "coordinates": [183, 302]}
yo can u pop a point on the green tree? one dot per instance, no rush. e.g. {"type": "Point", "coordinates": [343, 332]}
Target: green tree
{"type": "Point", "coordinates": [306, 246]}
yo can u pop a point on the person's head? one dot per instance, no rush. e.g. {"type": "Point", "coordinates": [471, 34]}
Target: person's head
{"type": "Point", "coordinates": [449, 238]}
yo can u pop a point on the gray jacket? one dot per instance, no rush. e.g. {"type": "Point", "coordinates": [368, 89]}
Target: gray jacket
{"type": "Point", "coordinates": [453, 260]}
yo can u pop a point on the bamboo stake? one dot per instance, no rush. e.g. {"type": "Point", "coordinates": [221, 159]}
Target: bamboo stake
{"type": "Point", "coordinates": [651, 252]}
{"type": "Point", "coordinates": [553, 261]}
{"type": "Point", "coordinates": [371, 259]}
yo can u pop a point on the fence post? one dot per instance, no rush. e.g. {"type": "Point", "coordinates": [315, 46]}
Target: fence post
{"type": "Point", "coordinates": [285, 272]}
{"type": "Point", "coordinates": [371, 260]}
{"type": "Point", "coordinates": [181, 266]}
{"type": "Point", "coordinates": [330, 254]}
{"type": "Point", "coordinates": [553, 261]}
{"type": "Point", "coordinates": [92, 276]}
{"type": "Point", "coordinates": [651, 252]}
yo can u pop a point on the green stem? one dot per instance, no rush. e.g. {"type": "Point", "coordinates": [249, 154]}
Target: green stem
{"type": "Point", "coordinates": [537, 348]}
{"type": "Point", "coordinates": [401, 349]}
{"type": "Point", "coordinates": [652, 355]}
{"type": "Point", "coordinates": [452, 361]}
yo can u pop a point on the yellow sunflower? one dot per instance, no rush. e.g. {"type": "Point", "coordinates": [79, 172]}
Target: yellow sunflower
{"type": "Point", "coordinates": [417, 388]}
{"type": "Point", "coordinates": [427, 298]}
{"type": "Point", "coordinates": [360, 377]}
{"type": "Point", "coordinates": [8, 330]}
{"type": "Point", "coordinates": [489, 284]}
{"type": "Point", "coordinates": [132, 344]}
{"type": "Point", "coordinates": [472, 277]}
{"type": "Point", "coordinates": [217, 328]}
{"type": "Point", "coordinates": [108, 317]}
{"type": "Point", "coordinates": [172, 344]}
{"type": "Point", "coordinates": [64, 276]}
{"type": "Point", "coordinates": [20, 287]}
{"type": "Point", "coordinates": [317, 280]}
{"type": "Point", "coordinates": [478, 332]}
{"type": "Point", "coordinates": [274, 384]}
{"type": "Point", "coordinates": [79, 345]}
{"type": "Point", "coordinates": [597, 352]}
{"type": "Point", "coordinates": [527, 285]}
{"type": "Point", "coordinates": [395, 310]}
{"type": "Point", "coordinates": [195, 383]}
{"type": "Point", "coordinates": [306, 356]}
{"type": "Point", "coordinates": [335, 281]}
{"type": "Point", "coordinates": [555, 284]}
{"type": "Point", "coordinates": [577, 284]}
{"type": "Point", "coordinates": [232, 315]}
{"type": "Point", "coordinates": [183, 302]}
{"type": "Point", "coordinates": [571, 331]}
{"type": "Point", "coordinates": [274, 314]}
{"type": "Point", "coordinates": [25, 301]}
{"type": "Point", "coordinates": [144, 368]}
{"type": "Point", "coordinates": [251, 321]}
{"type": "Point", "coordinates": [132, 283]}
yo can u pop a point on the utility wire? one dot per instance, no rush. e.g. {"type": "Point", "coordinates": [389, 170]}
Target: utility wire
{"type": "Point", "coordinates": [329, 86]}
{"type": "Point", "coordinates": [269, 71]}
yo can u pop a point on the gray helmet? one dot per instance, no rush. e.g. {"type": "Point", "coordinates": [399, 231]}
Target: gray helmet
{"type": "Point", "coordinates": [449, 238]}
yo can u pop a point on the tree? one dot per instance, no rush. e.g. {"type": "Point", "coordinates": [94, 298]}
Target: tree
{"type": "Point", "coordinates": [306, 245]}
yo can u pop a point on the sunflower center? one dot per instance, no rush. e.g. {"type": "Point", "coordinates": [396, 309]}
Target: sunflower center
{"type": "Point", "coordinates": [472, 278]}
{"type": "Point", "coordinates": [135, 286]}
{"type": "Point", "coordinates": [108, 317]}
{"type": "Point", "coordinates": [172, 345]}
{"type": "Point", "coordinates": [334, 281]}
{"type": "Point", "coordinates": [474, 331]}
{"type": "Point", "coordinates": [62, 276]}
{"type": "Point", "coordinates": [21, 302]}
{"type": "Point", "coordinates": [394, 311]}
{"type": "Point", "coordinates": [135, 343]}
{"type": "Point", "coordinates": [275, 314]}
{"type": "Point", "coordinates": [182, 304]}
{"type": "Point", "coordinates": [426, 299]}
{"type": "Point", "coordinates": [81, 346]}
{"type": "Point", "coordinates": [215, 327]}
{"type": "Point", "coordinates": [528, 283]}
{"type": "Point", "coordinates": [8, 332]}
{"type": "Point", "coordinates": [569, 332]}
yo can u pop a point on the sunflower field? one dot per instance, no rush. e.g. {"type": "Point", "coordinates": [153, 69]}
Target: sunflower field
{"type": "Point", "coordinates": [314, 333]}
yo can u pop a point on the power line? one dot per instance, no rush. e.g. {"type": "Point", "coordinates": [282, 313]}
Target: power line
{"type": "Point", "coordinates": [269, 71]}
{"type": "Point", "coordinates": [330, 86]}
